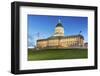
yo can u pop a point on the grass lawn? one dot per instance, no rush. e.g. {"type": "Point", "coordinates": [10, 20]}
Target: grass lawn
{"type": "Point", "coordinates": [53, 54]}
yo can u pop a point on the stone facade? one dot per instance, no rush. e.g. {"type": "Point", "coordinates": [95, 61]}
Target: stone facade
{"type": "Point", "coordinates": [61, 42]}
{"type": "Point", "coordinates": [58, 40]}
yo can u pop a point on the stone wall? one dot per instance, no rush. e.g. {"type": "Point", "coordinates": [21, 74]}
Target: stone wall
{"type": "Point", "coordinates": [61, 43]}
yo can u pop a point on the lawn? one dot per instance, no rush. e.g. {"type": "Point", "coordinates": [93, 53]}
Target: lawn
{"type": "Point", "coordinates": [53, 54]}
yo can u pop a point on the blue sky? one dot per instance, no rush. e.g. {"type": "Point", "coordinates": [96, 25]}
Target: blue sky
{"type": "Point", "coordinates": [42, 26]}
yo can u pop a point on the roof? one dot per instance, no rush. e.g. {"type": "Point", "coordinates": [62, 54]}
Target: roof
{"type": "Point", "coordinates": [59, 25]}
{"type": "Point", "coordinates": [71, 36]}
{"type": "Point", "coordinates": [57, 37]}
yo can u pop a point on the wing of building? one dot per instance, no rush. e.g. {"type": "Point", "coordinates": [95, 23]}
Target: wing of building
{"type": "Point", "coordinates": [58, 40]}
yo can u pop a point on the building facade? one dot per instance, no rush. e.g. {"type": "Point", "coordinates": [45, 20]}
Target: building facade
{"type": "Point", "coordinates": [58, 40]}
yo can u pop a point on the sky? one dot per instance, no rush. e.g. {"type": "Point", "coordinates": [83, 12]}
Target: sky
{"type": "Point", "coordinates": [43, 26]}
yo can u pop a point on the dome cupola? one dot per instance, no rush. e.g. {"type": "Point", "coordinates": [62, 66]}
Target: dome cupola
{"type": "Point", "coordinates": [59, 25]}
{"type": "Point", "coordinates": [59, 30]}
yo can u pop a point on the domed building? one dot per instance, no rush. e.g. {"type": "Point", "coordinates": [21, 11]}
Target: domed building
{"type": "Point", "coordinates": [59, 40]}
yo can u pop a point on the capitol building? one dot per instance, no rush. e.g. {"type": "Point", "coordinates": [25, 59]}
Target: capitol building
{"type": "Point", "coordinates": [59, 40]}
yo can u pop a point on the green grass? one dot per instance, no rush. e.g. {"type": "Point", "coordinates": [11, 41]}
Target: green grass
{"type": "Point", "coordinates": [53, 54]}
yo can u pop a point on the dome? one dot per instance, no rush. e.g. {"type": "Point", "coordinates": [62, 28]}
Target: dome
{"type": "Point", "coordinates": [59, 25]}
{"type": "Point", "coordinates": [59, 30]}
